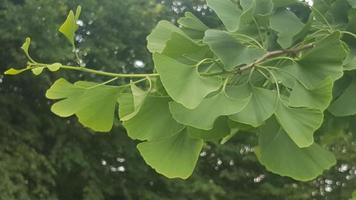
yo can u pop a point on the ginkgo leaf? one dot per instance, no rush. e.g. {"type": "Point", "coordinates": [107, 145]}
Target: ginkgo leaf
{"type": "Point", "coordinates": [26, 45]}
{"type": "Point", "coordinates": [323, 61]}
{"type": "Point", "coordinates": [192, 26]}
{"type": "Point", "coordinates": [204, 116]}
{"type": "Point", "coordinates": [279, 154]}
{"type": "Point", "coordinates": [54, 67]}
{"type": "Point", "coordinates": [37, 70]}
{"type": "Point", "coordinates": [174, 156]}
{"type": "Point", "coordinates": [190, 21]}
{"type": "Point", "coordinates": [318, 98]}
{"type": "Point", "coordinates": [145, 125]}
{"type": "Point", "coordinates": [263, 7]}
{"type": "Point", "coordinates": [13, 71]}
{"type": "Point", "coordinates": [93, 104]}
{"type": "Point", "coordinates": [260, 107]}
{"type": "Point", "coordinates": [288, 25]}
{"type": "Point", "coordinates": [231, 51]}
{"type": "Point", "coordinates": [299, 123]}
{"type": "Point", "coordinates": [220, 130]}
{"type": "Point", "coordinates": [345, 105]}
{"type": "Point", "coordinates": [156, 41]}
{"type": "Point", "coordinates": [228, 12]}
{"type": "Point", "coordinates": [192, 90]}
{"type": "Point", "coordinates": [134, 102]}
{"type": "Point", "coordinates": [69, 27]}
{"type": "Point", "coordinates": [179, 46]}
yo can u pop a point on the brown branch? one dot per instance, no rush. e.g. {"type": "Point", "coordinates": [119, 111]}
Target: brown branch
{"type": "Point", "coordinates": [273, 54]}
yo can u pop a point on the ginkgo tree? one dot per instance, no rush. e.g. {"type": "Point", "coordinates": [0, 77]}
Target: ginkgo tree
{"type": "Point", "coordinates": [279, 69]}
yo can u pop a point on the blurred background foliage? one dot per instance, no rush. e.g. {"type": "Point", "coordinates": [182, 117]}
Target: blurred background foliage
{"type": "Point", "coordinates": [43, 157]}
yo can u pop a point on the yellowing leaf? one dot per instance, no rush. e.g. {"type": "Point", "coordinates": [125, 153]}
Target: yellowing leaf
{"type": "Point", "coordinates": [13, 71]}
{"type": "Point", "coordinates": [54, 67]}
{"type": "Point", "coordinates": [37, 71]}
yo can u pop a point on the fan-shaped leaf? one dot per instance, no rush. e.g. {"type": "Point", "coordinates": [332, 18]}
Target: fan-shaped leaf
{"type": "Point", "coordinates": [279, 154]}
{"type": "Point", "coordinates": [299, 123]}
{"type": "Point", "coordinates": [260, 107]}
{"type": "Point", "coordinates": [318, 98]}
{"type": "Point", "coordinates": [220, 130]}
{"type": "Point", "coordinates": [288, 25]}
{"type": "Point", "coordinates": [228, 12]}
{"type": "Point", "coordinates": [192, 90]}
{"type": "Point", "coordinates": [157, 40]}
{"type": "Point", "coordinates": [345, 105]}
{"type": "Point", "coordinates": [204, 116]}
{"type": "Point", "coordinates": [231, 52]}
{"type": "Point", "coordinates": [192, 25]}
{"type": "Point", "coordinates": [93, 104]}
{"type": "Point", "coordinates": [145, 125]}
{"type": "Point", "coordinates": [69, 27]}
{"type": "Point", "coordinates": [174, 156]}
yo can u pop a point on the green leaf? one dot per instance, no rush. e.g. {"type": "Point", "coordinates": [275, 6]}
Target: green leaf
{"type": "Point", "coordinates": [189, 92]}
{"type": "Point", "coordinates": [204, 116]}
{"type": "Point", "coordinates": [220, 130]}
{"type": "Point", "coordinates": [299, 123]}
{"type": "Point", "coordinates": [26, 45]}
{"type": "Point", "coordinates": [54, 67]}
{"type": "Point", "coordinates": [323, 61]}
{"type": "Point", "coordinates": [156, 41]}
{"type": "Point", "coordinates": [174, 157]}
{"type": "Point", "coordinates": [77, 12]}
{"type": "Point", "coordinates": [264, 7]}
{"type": "Point", "coordinates": [93, 104]}
{"type": "Point", "coordinates": [37, 71]}
{"type": "Point", "coordinates": [134, 103]}
{"type": "Point", "coordinates": [190, 21]}
{"type": "Point", "coordinates": [260, 107]}
{"type": "Point", "coordinates": [228, 12]}
{"type": "Point", "coordinates": [185, 50]}
{"type": "Point", "coordinates": [152, 121]}
{"type": "Point", "coordinates": [350, 61]}
{"type": "Point", "coordinates": [192, 26]}
{"type": "Point", "coordinates": [231, 52]}
{"type": "Point", "coordinates": [13, 71]}
{"type": "Point", "coordinates": [69, 27]}
{"type": "Point", "coordinates": [279, 154]}
{"type": "Point", "coordinates": [345, 105]}
{"type": "Point", "coordinates": [318, 98]}
{"type": "Point", "coordinates": [288, 25]}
